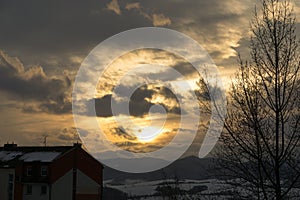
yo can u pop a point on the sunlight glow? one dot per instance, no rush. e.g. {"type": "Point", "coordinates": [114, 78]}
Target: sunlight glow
{"type": "Point", "coordinates": [148, 133]}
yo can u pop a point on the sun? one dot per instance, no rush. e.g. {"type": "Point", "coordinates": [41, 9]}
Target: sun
{"type": "Point", "coordinates": [148, 134]}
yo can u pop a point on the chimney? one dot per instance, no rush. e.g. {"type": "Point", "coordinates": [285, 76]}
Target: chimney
{"type": "Point", "coordinates": [77, 144]}
{"type": "Point", "coordinates": [10, 146]}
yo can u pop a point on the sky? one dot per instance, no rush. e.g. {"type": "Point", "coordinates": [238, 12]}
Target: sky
{"type": "Point", "coordinates": [43, 43]}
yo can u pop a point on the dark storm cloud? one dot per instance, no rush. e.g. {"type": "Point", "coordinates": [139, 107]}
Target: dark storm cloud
{"type": "Point", "coordinates": [34, 85]}
{"type": "Point", "coordinates": [139, 104]}
{"type": "Point", "coordinates": [51, 31]}
{"type": "Point", "coordinates": [103, 107]}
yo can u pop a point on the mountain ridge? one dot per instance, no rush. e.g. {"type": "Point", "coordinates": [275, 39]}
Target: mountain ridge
{"type": "Point", "coordinates": [190, 167]}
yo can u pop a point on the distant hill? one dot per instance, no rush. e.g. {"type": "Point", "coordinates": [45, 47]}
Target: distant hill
{"type": "Point", "coordinates": [185, 168]}
{"type": "Point", "coordinates": [111, 193]}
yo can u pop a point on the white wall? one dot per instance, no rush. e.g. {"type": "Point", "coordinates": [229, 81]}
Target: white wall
{"type": "Point", "coordinates": [86, 185]}
{"type": "Point", "coordinates": [62, 188]}
{"type": "Point", "coordinates": [4, 182]}
{"type": "Point", "coordinates": [36, 192]}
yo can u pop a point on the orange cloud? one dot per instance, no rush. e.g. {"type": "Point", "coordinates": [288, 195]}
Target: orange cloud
{"type": "Point", "coordinates": [160, 20]}
{"type": "Point", "coordinates": [114, 6]}
{"type": "Point", "coordinates": [131, 6]}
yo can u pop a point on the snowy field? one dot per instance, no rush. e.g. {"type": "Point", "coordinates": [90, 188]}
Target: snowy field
{"type": "Point", "coordinates": [148, 190]}
{"type": "Point", "coordinates": [209, 189]}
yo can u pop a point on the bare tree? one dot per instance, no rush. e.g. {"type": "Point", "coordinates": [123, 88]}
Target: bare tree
{"type": "Point", "coordinates": [261, 139]}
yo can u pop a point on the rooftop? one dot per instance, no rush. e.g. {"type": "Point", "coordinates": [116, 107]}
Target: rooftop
{"type": "Point", "coordinates": [11, 154]}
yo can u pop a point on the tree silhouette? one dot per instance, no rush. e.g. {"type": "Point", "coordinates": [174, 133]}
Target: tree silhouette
{"type": "Point", "coordinates": [261, 139]}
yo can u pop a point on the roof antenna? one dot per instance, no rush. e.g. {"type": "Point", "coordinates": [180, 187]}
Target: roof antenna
{"type": "Point", "coordinates": [45, 140]}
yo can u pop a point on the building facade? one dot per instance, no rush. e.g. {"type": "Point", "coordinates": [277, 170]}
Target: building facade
{"type": "Point", "coordinates": [49, 173]}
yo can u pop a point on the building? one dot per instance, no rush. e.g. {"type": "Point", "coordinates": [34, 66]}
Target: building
{"type": "Point", "coordinates": [49, 173]}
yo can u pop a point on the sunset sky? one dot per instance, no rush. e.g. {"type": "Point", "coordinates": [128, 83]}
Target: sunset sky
{"type": "Point", "coordinates": [43, 43]}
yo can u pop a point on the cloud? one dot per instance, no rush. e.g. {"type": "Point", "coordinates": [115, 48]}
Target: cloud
{"type": "Point", "coordinates": [216, 25]}
{"type": "Point", "coordinates": [121, 132]}
{"type": "Point", "coordinates": [127, 69]}
{"type": "Point", "coordinates": [128, 139]}
{"type": "Point", "coordinates": [54, 39]}
{"type": "Point", "coordinates": [130, 6]}
{"type": "Point", "coordinates": [114, 6]}
{"type": "Point", "coordinates": [140, 102]}
{"type": "Point", "coordinates": [57, 37]}
{"type": "Point", "coordinates": [67, 134]}
{"type": "Point", "coordinates": [33, 85]}
{"type": "Point", "coordinates": [160, 20]}
{"type": "Point", "coordinates": [29, 129]}
{"type": "Point", "coordinates": [134, 145]}
{"type": "Point", "coordinates": [157, 19]}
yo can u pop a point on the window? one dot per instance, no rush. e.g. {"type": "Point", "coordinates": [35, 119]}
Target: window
{"type": "Point", "coordinates": [43, 189]}
{"type": "Point", "coordinates": [28, 189]}
{"type": "Point", "coordinates": [29, 171]}
{"type": "Point", "coordinates": [10, 177]}
{"type": "Point", "coordinates": [44, 171]}
{"type": "Point", "coordinates": [10, 186]}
